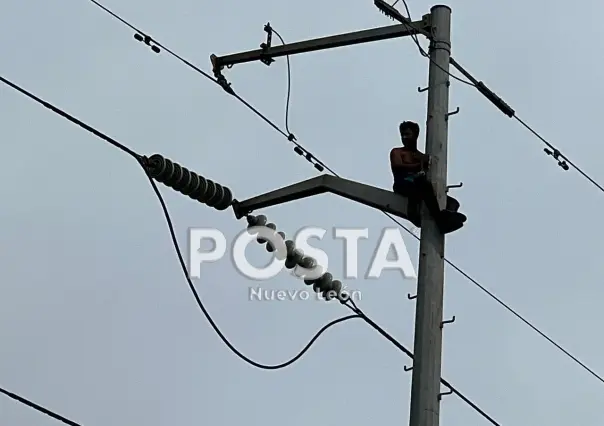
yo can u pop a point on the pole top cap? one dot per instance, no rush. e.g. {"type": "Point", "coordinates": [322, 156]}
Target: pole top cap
{"type": "Point", "coordinates": [438, 6]}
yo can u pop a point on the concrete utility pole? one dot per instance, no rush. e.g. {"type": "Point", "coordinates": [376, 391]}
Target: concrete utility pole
{"type": "Point", "coordinates": [425, 386]}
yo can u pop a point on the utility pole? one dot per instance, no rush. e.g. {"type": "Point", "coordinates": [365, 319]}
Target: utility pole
{"type": "Point", "coordinates": [425, 385]}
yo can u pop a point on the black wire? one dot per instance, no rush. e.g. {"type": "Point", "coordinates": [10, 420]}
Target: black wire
{"type": "Point", "coordinates": [407, 352]}
{"type": "Point", "coordinates": [289, 84]}
{"type": "Point", "coordinates": [573, 165]}
{"type": "Point", "coordinates": [423, 52]}
{"type": "Point", "coordinates": [140, 160]}
{"type": "Point", "coordinates": [394, 219]}
{"type": "Point", "coordinates": [71, 118]}
{"type": "Point", "coordinates": [132, 27]}
{"type": "Point", "coordinates": [209, 318]}
{"type": "Point", "coordinates": [529, 128]}
{"type": "Point", "coordinates": [288, 135]}
{"type": "Point", "coordinates": [38, 408]}
{"type": "Point", "coordinates": [509, 308]}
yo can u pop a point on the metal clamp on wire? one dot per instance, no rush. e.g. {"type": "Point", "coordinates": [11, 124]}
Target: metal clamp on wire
{"type": "Point", "coordinates": [144, 38]}
{"type": "Point", "coordinates": [217, 68]}
{"type": "Point", "coordinates": [309, 157]}
{"type": "Point", "coordinates": [558, 157]}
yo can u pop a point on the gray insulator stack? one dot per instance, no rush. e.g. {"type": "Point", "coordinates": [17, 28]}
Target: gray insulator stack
{"type": "Point", "coordinates": [188, 183]}
{"type": "Point", "coordinates": [325, 284]}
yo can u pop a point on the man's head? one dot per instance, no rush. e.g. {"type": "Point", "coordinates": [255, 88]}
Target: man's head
{"type": "Point", "coordinates": [409, 134]}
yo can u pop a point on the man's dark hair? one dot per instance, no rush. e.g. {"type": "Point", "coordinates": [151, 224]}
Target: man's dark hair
{"type": "Point", "coordinates": [414, 127]}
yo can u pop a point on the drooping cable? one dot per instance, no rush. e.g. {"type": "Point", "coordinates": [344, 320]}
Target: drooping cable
{"type": "Point", "coordinates": [289, 84]}
{"type": "Point", "coordinates": [140, 160]}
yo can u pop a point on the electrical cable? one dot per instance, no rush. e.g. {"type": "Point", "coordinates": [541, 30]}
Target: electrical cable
{"type": "Point", "coordinates": [200, 304]}
{"type": "Point", "coordinates": [407, 352]}
{"type": "Point", "coordinates": [558, 155]}
{"type": "Point", "coordinates": [467, 276]}
{"type": "Point", "coordinates": [38, 408]}
{"type": "Point", "coordinates": [549, 145]}
{"type": "Point", "coordinates": [423, 52]}
{"type": "Point", "coordinates": [209, 318]}
{"type": "Point", "coordinates": [71, 118]}
{"type": "Point", "coordinates": [391, 217]}
{"type": "Point", "coordinates": [289, 84]}
{"type": "Point", "coordinates": [188, 63]}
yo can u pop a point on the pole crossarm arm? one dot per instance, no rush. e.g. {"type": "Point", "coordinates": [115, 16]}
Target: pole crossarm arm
{"type": "Point", "coordinates": [365, 36]}
{"type": "Point", "coordinates": [377, 198]}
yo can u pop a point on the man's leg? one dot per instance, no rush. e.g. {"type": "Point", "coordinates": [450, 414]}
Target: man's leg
{"type": "Point", "coordinates": [409, 190]}
{"type": "Point", "coordinates": [404, 188]}
{"type": "Point", "coordinates": [428, 196]}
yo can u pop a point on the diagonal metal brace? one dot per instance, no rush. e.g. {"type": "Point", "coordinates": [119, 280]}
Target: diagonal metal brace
{"type": "Point", "coordinates": [370, 196]}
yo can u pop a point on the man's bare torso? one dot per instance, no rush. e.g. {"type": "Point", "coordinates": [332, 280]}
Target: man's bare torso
{"type": "Point", "coordinates": [413, 159]}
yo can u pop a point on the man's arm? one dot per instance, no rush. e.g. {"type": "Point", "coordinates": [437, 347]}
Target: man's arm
{"type": "Point", "coordinates": [396, 159]}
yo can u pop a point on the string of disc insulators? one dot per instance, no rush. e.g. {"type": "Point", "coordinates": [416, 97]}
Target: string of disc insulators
{"type": "Point", "coordinates": [324, 284]}
{"type": "Point", "coordinates": [188, 183]}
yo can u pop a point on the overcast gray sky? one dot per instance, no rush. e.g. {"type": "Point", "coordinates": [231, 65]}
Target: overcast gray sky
{"type": "Point", "coordinates": [96, 320]}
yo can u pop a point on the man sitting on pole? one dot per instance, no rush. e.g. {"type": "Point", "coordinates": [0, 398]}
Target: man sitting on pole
{"type": "Point", "coordinates": [409, 167]}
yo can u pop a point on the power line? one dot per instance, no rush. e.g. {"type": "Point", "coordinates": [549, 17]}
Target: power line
{"type": "Point", "coordinates": [38, 408]}
{"type": "Point", "coordinates": [405, 21]}
{"type": "Point", "coordinates": [290, 136]}
{"type": "Point", "coordinates": [557, 153]}
{"type": "Point", "coordinates": [457, 268]}
{"type": "Point", "coordinates": [140, 159]}
{"type": "Point", "coordinates": [71, 118]}
{"type": "Point", "coordinates": [289, 84]}
{"type": "Point", "coordinates": [200, 304]}
{"type": "Point", "coordinates": [209, 318]}
{"type": "Point", "coordinates": [563, 161]}
{"type": "Point", "coordinates": [407, 352]}
{"type": "Point", "coordinates": [330, 288]}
